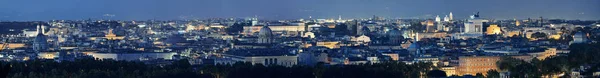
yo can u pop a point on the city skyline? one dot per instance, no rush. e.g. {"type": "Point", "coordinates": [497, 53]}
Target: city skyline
{"type": "Point", "coordinates": [36, 10]}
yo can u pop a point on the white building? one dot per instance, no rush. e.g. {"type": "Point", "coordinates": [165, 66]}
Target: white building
{"type": "Point", "coordinates": [138, 56]}
{"type": "Point", "coordinates": [288, 61]}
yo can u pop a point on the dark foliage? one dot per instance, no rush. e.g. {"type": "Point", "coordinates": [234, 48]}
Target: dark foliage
{"type": "Point", "coordinates": [92, 68]}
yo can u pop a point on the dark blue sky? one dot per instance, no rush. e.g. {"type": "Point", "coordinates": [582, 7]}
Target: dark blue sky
{"type": "Point", "coordinates": [24, 10]}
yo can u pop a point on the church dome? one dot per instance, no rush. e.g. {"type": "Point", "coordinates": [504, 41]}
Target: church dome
{"type": "Point", "coordinates": [579, 35]}
{"type": "Point", "coordinates": [265, 31]}
{"type": "Point", "coordinates": [365, 29]}
{"type": "Point", "coordinates": [395, 33]}
{"type": "Point", "coordinates": [173, 39]}
{"type": "Point", "coordinates": [414, 47]}
{"type": "Point", "coordinates": [40, 42]}
{"type": "Point", "coordinates": [40, 38]}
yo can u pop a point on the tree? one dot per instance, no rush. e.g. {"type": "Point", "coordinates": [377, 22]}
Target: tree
{"type": "Point", "coordinates": [417, 27]}
{"type": "Point", "coordinates": [235, 28]}
{"type": "Point", "coordinates": [507, 63]}
{"type": "Point", "coordinates": [493, 74]}
{"type": "Point", "coordinates": [436, 74]}
{"type": "Point", "coordinates": [479, 75]}
{"type": "Point", "coordinates": [539, 35]}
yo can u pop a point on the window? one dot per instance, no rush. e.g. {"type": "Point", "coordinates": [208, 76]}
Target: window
{"type": "Point", "coordinates": [266, 62]}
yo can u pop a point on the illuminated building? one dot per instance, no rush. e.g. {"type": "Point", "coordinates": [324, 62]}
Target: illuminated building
{"type": "Point", "coordinates": [493, 29]}
{"type": "Point", "coordinates": [580, 37]}
{"type": "Point", "coordinates": [330, 45]}
{"type": "Point", "coordinates": [111, 36]}
{"type": "Point", "coordinates": [471, 65]}
{"type": "Point", "coordinates": [450, 70]}
{"type": "Point", "coordinates": [12, 46]}
{"type": "Point", "coordinates": [363, 39]}
{"type": "Point", "coordinates": [555, 36]}
{"type": "Point", "coordinates": [475, 24]}
{"type": "Point", "coordinates": [437, 18]}
{"type": "Point", "coordinates": [265, 36]}
{"type": "Point", "coordinates": [441, 27]}
{"type": "Point", "coordinates": [291, 29]}
{"type": "Point", "coordinates": [175, 40]}
{"type": "Point", "coordinates": [517, 23]}
{"type": "Point", "coordinates": [512, 33]}
{"type": "Point", "coordinates": [40, 43]}
{"type": "Point", "coordinates": [309, 35]}
{"type": "Point", "coordinates": [266, 57]}
{"type": "Point", "coordinates": [133, 56]}
{"type": "Point", "coordinates": [451, 16]}
{"type": "Point", "coordinates": [544, 54]}
{"type": "Point", "coordinates": [395, 36]}
{"type": "Point", "coordinates": [191, 27]}
{"type": "Point", "coordinates": [446, 18]}
{"type": "Point", "coordinates": [30, 33]}
{"type": "Point", "coordinates": [430, 26]}
{"type": "Point", "coordinates": [414, 49]}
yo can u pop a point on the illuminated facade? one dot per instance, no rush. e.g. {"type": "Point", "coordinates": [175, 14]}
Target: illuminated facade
{"type": "Point", "coordinates": [111, 36]}
{"type": "Point", "coordinates": [580, 37]}
{"type": "Point", "coordinates": [545, 54]}
{"type": "Point", "coordinates": [292, 29]}
{"type": "Point", "coordinates": [437, 18]}
{"type": "Point", "coordinates": [330, 45]}
{"type": "Point", "coordinates": [474, 25]}
{"type": "Point", "coordinates": [265, 36]}
{"type": "Point", "coordinates": [493, 29]}
{"type": "Point", "coordinates": [473, 65]}
{"type": "Point", "coordinates": [40, 43]}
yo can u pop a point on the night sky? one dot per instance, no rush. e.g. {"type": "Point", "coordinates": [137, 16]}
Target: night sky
{"type": "Point", "coordinates": [27, 10]}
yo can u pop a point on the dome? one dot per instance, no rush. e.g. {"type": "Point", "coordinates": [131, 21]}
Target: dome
{"type": "Point", "coordinates": [177, 38]}
{"type": "Point", "coordinates": [265, 31]}
{"type": "Point", "coordinates": [413, 47]}
{"type": "Point", "coordinates": [579, 35]}
{"type": "Point", "coordinates": [40, 42]}
{"type": "Point", "coordinates": [40, 38]}
{"type": "Point", "coordinates": [365, 29]}
{"type": "Point", "coordinates": [395, 33]}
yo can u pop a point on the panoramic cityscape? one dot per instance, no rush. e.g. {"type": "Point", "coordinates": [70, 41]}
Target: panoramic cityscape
{"type": "Point", "coordinates": [300, 39]}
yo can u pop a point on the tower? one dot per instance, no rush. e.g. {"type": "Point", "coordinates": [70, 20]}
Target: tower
{"type": "Point", "coordinates": [265, 35]}
{"type": "Point", "coordinates": [451, 17]}
{"type": "Point", "coordinates": [541, 21]}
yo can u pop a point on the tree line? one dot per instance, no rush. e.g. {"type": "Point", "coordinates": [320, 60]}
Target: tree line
{"type": "Point", "coordinates": [95, 68]}
{"type": "Point", "coordinates": [579, 55]}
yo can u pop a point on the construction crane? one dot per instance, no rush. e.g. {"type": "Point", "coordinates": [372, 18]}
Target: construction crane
{"type": "Point", "coordinates": [4, 45]}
